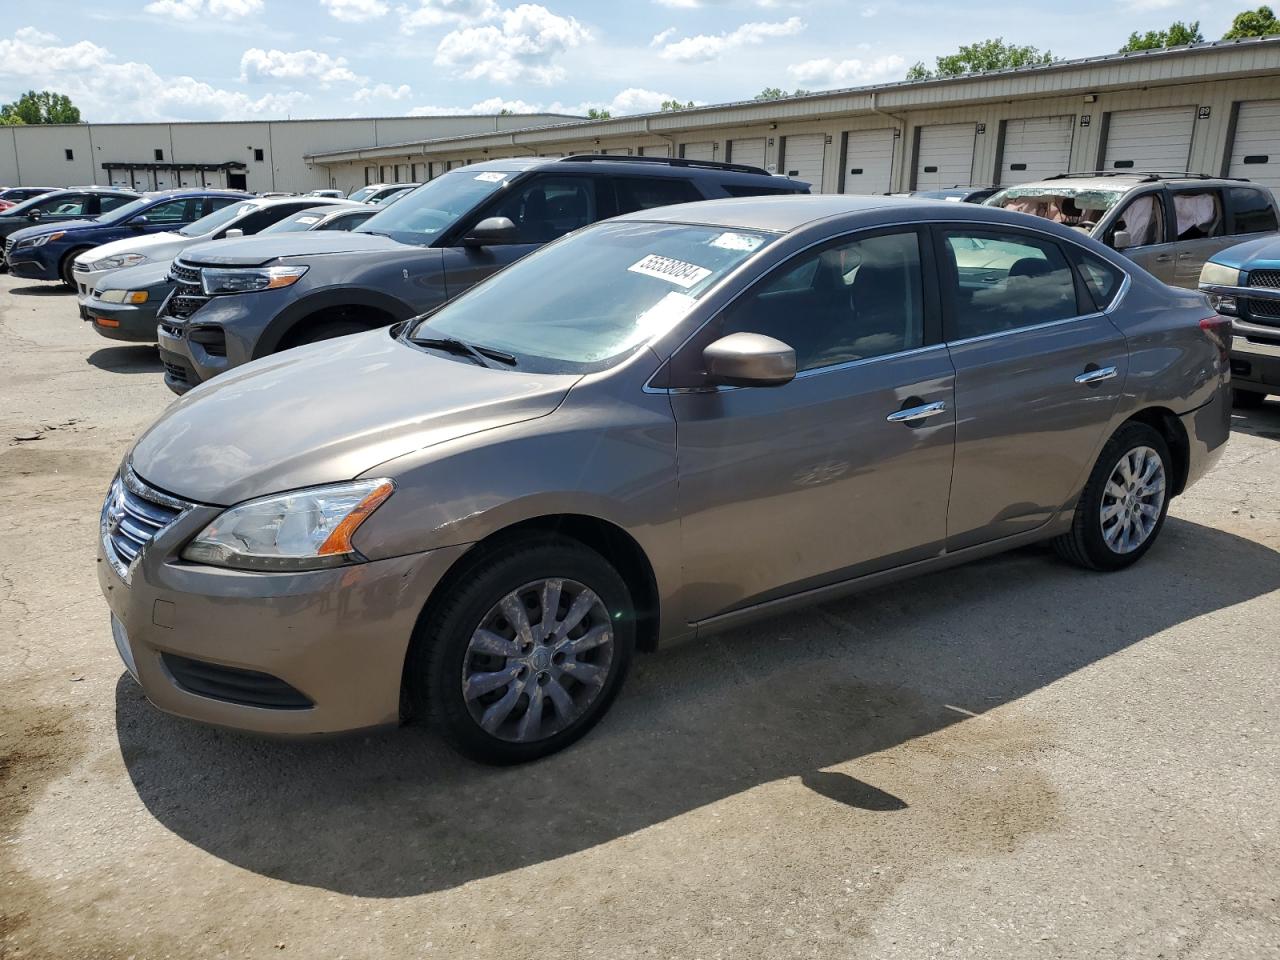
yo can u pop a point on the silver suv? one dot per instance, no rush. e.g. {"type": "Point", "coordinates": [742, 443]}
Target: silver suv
{"type": "Point", "coordinates": [1169, 223]}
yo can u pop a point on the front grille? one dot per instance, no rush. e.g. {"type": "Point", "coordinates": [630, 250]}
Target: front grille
{"type": "Point", "coordinates": [132, 516]}
{"type": "Point", "coordinates": [188, 295]}
{"type": "Point", "coordinates": [246, 687]}
{"type": "Point", "coordinates": [1264, 310]}
{"type": "Point", "coordinates": [172, 329]}
{"type": "Point", "coordinates": [8, 246]}
{"type": "Point", "coordinates": [176, 371]}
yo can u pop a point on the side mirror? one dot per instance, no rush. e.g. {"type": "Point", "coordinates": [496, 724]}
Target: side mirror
{"type": "Point", "coordinates": [33, 215]}
{"type": "Point", "coordinates": [233, 233]}
{"type": "Point", "coordinates": [749, 360]}
{"type": "Point", "coordinates": [139, 221]}
{"type": "Point", "coordinates": [490, 230]}
{"type": "Point", "coordinates": [1121, 240]}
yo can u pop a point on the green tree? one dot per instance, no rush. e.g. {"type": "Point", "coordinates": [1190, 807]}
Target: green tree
{"type": "Point", "coordinates": [1177, 34]}
{"type": "Point", "coordinates": [777, 93]}
{"type": "Point", "coordinates": [43, 107]}
{"type": "Point", "coordinates": [981, 57]}
{"type": "Point", "coordinates": [599, 113]}
{"type": "Point", "coordinates": [1253, 23]}
{"type": "Point", "coordinates": [669, 106]}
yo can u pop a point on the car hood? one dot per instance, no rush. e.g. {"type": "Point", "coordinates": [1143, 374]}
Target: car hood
{"type": "Point", "coordinates": [256, 251]}
{"type": "Point", "coordinates": [40, 229]}
{"type": "Point", "coordinates": [328, 412]}
{"type": "Point", "coordinates": [1262, 253]}
{"type": "Point", "coordinates": [154, 246]}
{"type": "Point", "coordinates": [142, 277]}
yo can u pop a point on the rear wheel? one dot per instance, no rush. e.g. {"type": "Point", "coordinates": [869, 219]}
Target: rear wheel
{"type": "Point", "coordinates": [525, 653]}
{"type": "Point", "coordinates": [1248, 399]}
{"type": "Point", "coordinates": [1124, 502]}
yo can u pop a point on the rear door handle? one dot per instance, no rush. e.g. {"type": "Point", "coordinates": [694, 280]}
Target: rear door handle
{"type": "Point", "coordinates": [1096, 375]}
{"type": "Point", "coordinates": [1164, 258]}
{"type": "Point", "coordinates": [918, 413]}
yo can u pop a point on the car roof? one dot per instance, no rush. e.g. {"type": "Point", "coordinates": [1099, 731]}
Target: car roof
{"type": "Point", "coordinates": [291, 198]}
{"type": "Point", "coordinates": [193, 192]}
{"type": "Point", "coordinates": [624, 165]}
{"type": "Point", "coordinates": [1126, 180]}
{"type": "Point", "coordinates": [779, 214]}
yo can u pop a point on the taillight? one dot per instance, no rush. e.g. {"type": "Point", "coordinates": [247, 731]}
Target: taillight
{"type": "Point", "coordinates": [1218, 329]}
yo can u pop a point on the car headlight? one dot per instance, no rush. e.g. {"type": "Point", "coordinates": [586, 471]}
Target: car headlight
{"type": "Point", "coordinates": [124, 296]}
{"type": "Point", "coordinates": [41, 240]}
{"type": "Point", "coordinates": [1220, 275]}
{"type": "Point", "coordinates": [303, 530]}
{"type": "Point", "coordinates": [117, 262]}
{"type": "Point", "coordinates": [248, 280]}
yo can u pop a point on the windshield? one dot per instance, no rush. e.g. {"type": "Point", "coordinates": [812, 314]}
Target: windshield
{"type": "Point", "coordinates": [305, 220]}
{"type": "Point", "coordinates": [362, 193]}
{"type": "Point", "coordinates": [1080, 207]}
{"type": "Point", "coordinates": [125, 212]}
{"type": "Point", "coordinates": [422, 215]}
{"type": "Point", "coordinates": [586, 301]}
{"type": "Point", "coordinates": [215, 220]}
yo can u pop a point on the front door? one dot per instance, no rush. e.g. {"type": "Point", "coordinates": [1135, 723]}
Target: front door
{"type": "Point", "coordinates": [786, 488]}
{"type": "Point", "coordinates": [1150, 246]}
{"type": "Point", "coordinates": [1038, 374]}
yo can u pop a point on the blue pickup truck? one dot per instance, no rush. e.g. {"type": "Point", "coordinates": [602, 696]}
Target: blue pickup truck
{"type": "Point", "coordinates": [1243, 282]}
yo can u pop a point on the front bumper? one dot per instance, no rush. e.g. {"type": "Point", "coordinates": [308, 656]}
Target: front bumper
{"type": "Point", "coordinates": [121, 321]}
{"type": "Point", "coordinates": [86, 280]}
{"type": "Point", "coordinates": [337, 637]}
{"type": "Point", "coordinates": [32, 263]}
{"type": "Point", "coordinates": [225, 330]}
{"type": "Point", "coordinates": [1255, 358]}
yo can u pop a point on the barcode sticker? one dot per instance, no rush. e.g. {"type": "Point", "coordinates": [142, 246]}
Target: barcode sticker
{"type": "Point", "coordinates": [679, 272]}
{"type": "Point", "coordinates": [491, 176]}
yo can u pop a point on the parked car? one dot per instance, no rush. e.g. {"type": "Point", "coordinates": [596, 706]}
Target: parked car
{"type": "Point", "coordinates": [47, 251]}
{"type": "Point", "coordinates": [390, 196]}
{"type": "Point", "coordinates": [1168, 223]}
{"type": "Point", "coordinates": [124, 303]}
{"type": "Point", "coordinates": [956, 194]}
{"type": "Point", "coordinates": [376, 191]}
{"type": "Point", "coordinates": [12, 196]}
{"type": "Point", "coordinates": [241, 218]}
{"type": "Point", "coordinates": [1243, 282]}
{"type": "Point", "coordinates": [336, 194]}
{"type": "Point", "coordinates": [80, 203]}
{"type": "Point", "coordinates": [487, 509]}
{"type": "Point", "coordinates": [260, 295]}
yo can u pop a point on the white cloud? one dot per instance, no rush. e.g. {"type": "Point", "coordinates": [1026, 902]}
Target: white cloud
{"type": "Point", "coordinates": [711, 46]}
{"type": "Point", "coordinates": [628, 101]}
{"type": "Point", "coordinates": [356, 11]}
{"type": "Point", "coordinates": [194, 9]}
{"type": "Point", "coordinates": [660, 38]}
{"type": "Point", "coordinates": [107, 90]}
{"type": "Point", "coordinates": [383, 91]}
{"type": "Point", "coordinates": [524, 47]}
{"type": "Point", "coordinates": [490, 106]}
{"type": "Point", "coordinates": [826, 72]}
{"type": "Point", "coordinates": [259, 64]}
{"type": "Point", "coordinates": [434, 13]}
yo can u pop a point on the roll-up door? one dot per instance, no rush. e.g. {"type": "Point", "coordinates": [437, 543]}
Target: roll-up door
{"type": "Point", "coordinates": [1035, 148]}
{"type": "Point", "coordinates": [945, 156]}
{"type": "Point", "coordinates": [617, 152]}
{"type": "Point", "coordinates": [698, 151]}
{"type": "Point", "coordinates": [868, 161]}
{"type": "Point", "coordinates": [402, 173]}
{"type": "Point", "coordinates": [1149, 139]}
{"type": "Point", "coordinates": [803, 156]}
{"type": "Point", "coordinates": [749, 151]}
{"type": "Point", "coordinates": [662, 151]}
{"type": "Point", "coordinates": [1255, 152]}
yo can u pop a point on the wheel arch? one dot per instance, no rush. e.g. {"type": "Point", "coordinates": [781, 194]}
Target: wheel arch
{"type": "Point", "coordinates": [382, 309]}
{"type": "Point", "coordinates": [1165, 422]}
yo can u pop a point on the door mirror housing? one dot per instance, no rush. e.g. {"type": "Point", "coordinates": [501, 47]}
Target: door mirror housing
{"type": "Point", "coordinates": [1121, 240]}
{"type": "Point", "coordinates": [139, 221]}
{"type": "Point", "coordinates": [33, 214]}
{"type": "Point", "coordinates": [749, 360]}
{"type": "Point", "coordinates": [490, 230]}
{"type": "Point", "coordinates": [233, 233]}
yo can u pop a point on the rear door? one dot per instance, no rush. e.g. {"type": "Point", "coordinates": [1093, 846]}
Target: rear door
{"type": "Point", "coordinates": [1038, 373]}
{"type": "Point", "coordinates": [1199, 222]}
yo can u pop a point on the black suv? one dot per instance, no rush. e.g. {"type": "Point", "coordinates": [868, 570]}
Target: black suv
{"type": "Point", "coordinates": [237, 300]}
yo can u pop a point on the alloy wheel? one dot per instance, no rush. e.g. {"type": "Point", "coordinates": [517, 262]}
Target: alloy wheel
{"type": "Point", "coordinates": [1132, 500]}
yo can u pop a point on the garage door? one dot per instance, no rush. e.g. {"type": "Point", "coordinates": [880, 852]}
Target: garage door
{"type": "Point", "coordinates": [617, 152]}
{"type": "Point", "coordinates": [750, 151]}
{"type": "Point", "coordinates": [803, 156]}
{"type": "Point", "coordinates": [945, 156]}
{"type": "Point", "coordinates": [1150, 139]}
{"type": "Point", "coordinates": [662, 151]}
{"type": "Point", "coordinates": [1255, 153]}
{"type": "Point", "coordinates": [698, 151]}
{"type": "Point", "coordinates": [1035, 148]}
{"type": "Point", "coordinates": [868, 161]}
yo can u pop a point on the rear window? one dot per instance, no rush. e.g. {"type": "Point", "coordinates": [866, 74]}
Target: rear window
{"type": "Point", "coordinates": [1254, 212]}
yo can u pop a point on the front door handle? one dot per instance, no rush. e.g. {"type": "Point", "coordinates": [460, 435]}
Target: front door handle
{"type": "Point", "coordinates": [918, 413]}
{"type": "Point", "coordinates": [1164, 258]}
{"type": "Point", "coordinates": [1096, 375]}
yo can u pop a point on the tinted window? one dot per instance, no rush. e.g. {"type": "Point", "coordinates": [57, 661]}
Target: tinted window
{"type": "Point", "coordinates": [112, 202]}
{"type": "Point", "coordinates": [216, 220]}
{"type": "Point", "coordinates": [74, 204]}
{"type": "Point", "coordinates": [849, 302]}
{"type": "Point", "coordinates": [1102, 279]}
{"type": "Point", "coordinates": [643, 193]}
{"type": "Point", "coordinates": [268, 215]}
{"type": "Point", "coordinates": [426, 213]}
{"type": "Point", "coordinates": [217, 203]}
{"type": "Point", "coordinates": [1199, 214]}
{"type": "Point", "coordinates": [174, 211]}
{"type": "Point", "coordinates": [347, 221]}
{"type": "Point", "coordinates": [751, 190]}
{"type": "Point", "coordinates": [999, 282]}
{"type": "Point", "coordinates": [1253, 210]}
{"type": "Point", "coordinates": [547, 207]}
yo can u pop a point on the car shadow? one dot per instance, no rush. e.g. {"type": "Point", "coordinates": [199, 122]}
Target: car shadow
{"type": "Point", "coordinates": [1261, 422]}
{"type": "Point", "coordinates": [397, 814]}
{"type": "Point", "coordinates": [51, 289]}
{"type": "Point", "coordinates": [139, 358]}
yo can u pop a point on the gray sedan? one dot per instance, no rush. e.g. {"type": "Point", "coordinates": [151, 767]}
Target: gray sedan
{"type": "Point", "coordinates": [124, 303]}
{"type": "Point", "coordinates": [660, 426]}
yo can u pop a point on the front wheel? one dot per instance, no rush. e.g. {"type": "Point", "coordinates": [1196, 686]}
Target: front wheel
{"type": "Point", "coordinates": [1248, 399]}
{"type": "Point", "coordinates": [68, 278]}
{"type": "Point", "coordinates": [1123, 506]}
{"type": "Point", "coordinates": [526, 652]}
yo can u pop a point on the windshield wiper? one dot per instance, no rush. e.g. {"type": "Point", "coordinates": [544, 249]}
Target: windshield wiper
{"type": "Point", "coordinates": [454, 345]}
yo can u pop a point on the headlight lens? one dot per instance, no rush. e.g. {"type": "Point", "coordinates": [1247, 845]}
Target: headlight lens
{"type": "Point", "coordinates": [41, 240]}
{"type": "Point", "coordinates": [1220, 275]}
{"type": "Point", "coordinates": [302, 530]}
{"type": "Point", "coordinates": [119, 261]}
{"type": "Point", "coordinates": [124, 296]}
{"type": "Point", "coordinates": [248, 280]}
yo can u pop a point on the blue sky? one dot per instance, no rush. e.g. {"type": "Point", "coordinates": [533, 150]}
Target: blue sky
{"type": "Point", "coordinates": [124, 60]}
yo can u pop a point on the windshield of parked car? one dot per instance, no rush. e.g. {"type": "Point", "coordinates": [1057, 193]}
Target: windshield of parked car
{"type": "Point", "coordinates": [592, 298]}
{"type": "Point", "coordinates": [423, 214]}
{"type": "Point", "coordinates": [362, 193]}
{"type": "Point", "coordinates": [215, 220]}
{"type": "Point", "coordinates": [1080, 207]}
{"type": "Point", "coordinates": [303, 220]}
{"type": "Point", "coordinates": [120, 214]}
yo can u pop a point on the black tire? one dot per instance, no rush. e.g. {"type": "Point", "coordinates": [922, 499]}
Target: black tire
{"type": "Point", "coordinates": [64, 269]}
{"type": "Point", "coordinates": [325, 330]}
{"type": "Point", "coordinates": [1084, 544]}
{"type": "Point", "coordinates": [1248, 399]}
{"type": "Point", "coordinates": [438, 654]}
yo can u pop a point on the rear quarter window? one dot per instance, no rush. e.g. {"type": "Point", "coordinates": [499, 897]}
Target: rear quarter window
{"type": "Point", "coordinates": [1100, 278]}
{"type": "Point", "coordinates": [644, 193]}
{"type": "Point", "coordinates": [751, 190]}
{"type": "Point", "coordinates": [1252, 209]}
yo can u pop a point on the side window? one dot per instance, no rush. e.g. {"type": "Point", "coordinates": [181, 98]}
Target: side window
{"type": "Point", "coordinates": [1199, 214]}
{"type": "Point", "coordinates": [545, 208]}
{"type": "Point", "coordinates": [750, 190]}
{"type": "Point", "coordinates": [253, 222]}
{"type": "Point", "coordinates": [1143, 219]}
{"type": "Point", "coordinates": [217, 203]}
{"type": "Point", "coordinates": [644, 193]}
{"type": "Point", "coordinates": [76, 205]}
{"type": "Point", "coordinates": [1002, 281]}
{"type": "Point", "coordinates": [1101, 278]}
{"type": "Point", "coordinates": [1252, 210]}
{"type": "Point", "coordinates": [109, 203]}
{"type": "Point", "coordinates": [848, 302]}
{"type": "Point", "coordinates": [173, 211]}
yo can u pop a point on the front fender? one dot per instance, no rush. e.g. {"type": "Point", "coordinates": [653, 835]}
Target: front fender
{"type": "Point", "coordinates": [327, 298]}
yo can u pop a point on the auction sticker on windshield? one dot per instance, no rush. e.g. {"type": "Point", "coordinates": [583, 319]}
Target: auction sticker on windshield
{"type": "Point", "coordinates": [679, 272]}
{"type": "Point", "coordinates": [491, 176]}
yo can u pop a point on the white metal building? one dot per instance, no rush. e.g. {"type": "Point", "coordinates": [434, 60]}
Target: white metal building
{"type": "Point", "coordinates": [1209, 108]}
